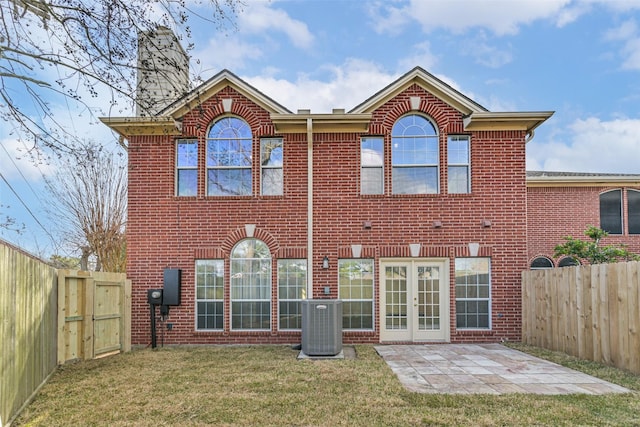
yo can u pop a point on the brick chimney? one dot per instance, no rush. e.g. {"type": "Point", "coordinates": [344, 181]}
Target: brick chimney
{"type": "Point", "coordinates": [163, 71]}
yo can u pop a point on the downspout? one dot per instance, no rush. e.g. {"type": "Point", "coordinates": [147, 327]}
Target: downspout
{"type": "Point", "coordinates": [309, 208]}
{"type": "Point", "coordinates": [529, 136]}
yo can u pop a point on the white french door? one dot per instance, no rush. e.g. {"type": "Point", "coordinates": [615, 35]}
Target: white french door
{"type": "Point", "coordinates": [414, 300]}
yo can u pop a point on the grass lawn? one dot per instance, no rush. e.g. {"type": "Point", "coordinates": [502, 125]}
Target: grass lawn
{"type": "Point", "coordinates": [268, 386]}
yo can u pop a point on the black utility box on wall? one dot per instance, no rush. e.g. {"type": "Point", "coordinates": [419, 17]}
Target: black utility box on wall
{"type": "Point", "coordinates": [171, 294]}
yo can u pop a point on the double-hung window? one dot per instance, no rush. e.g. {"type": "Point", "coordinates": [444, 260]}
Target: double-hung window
{"type": "Point", "coordinates": [271, 156]}
{"type": "Point", "coordinates": [251, 285]}
{"type": "Point", "coordinates": [229, 158]}
{"type": "Point", "coordinates": [611, 211]}
{"type": "Point", "coordinates": [209, 294]}
{"type": "Point", "coordinates": [292, 289]}
{"type": "Point", "coordinates": [458, 171]}
{"type": "Point", "coordinates": [372, 162]}
{"type": "Point", "coordinates": [473, 292]}
{"type": "Point", "coordinates": [186, 167]}
{"type": "Point", "coordinates": [414, 156]}
{"type": "Point", "coordinates": [356, 292]}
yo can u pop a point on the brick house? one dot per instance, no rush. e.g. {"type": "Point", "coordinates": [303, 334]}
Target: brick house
{"type": "Point", "coordinates": [564, 204]}
{"type": "Point", "coordinates": [411, 208]}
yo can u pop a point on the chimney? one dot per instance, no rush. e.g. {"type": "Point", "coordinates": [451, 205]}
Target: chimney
{"type": "Point", "coordinates": [163, 71]}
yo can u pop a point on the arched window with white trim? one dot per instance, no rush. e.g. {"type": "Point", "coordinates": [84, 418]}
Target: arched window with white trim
{"type": "Point", "coordinates": [415, 156]}
{"type": "Point", "coordinates": [251, 286]}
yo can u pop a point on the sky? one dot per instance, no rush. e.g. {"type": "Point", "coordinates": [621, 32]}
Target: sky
{"type": "Point", "coordinates": [579, 58]}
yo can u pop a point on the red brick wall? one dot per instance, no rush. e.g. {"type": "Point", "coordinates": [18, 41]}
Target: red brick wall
{"type": "Point", "coordinates": [555, 212]}
{"type": "Point", "coordinates": [169, 232]}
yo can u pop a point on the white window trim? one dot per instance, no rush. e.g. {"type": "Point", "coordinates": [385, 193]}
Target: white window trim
{"type": "Point", "coordinates": [467, 164]}
{"type": "Point", "coordinates": [373, 294]}
{"type": "Point", "coordinates": [179, 168]}
{"type": "Point", "coordinates": [489, 300]}
{"type": "Point", "coordinates": [197, 300]}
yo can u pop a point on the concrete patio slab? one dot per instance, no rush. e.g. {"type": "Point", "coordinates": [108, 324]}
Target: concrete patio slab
{"type": "Point", "coordinates": [485, 368]}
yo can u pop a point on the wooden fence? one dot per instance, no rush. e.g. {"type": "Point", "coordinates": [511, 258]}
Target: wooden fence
{"type": "Point", "coordinates": [28, 312]}
{"type": "Point", "coordinates": [591, 312]}
{"type": "Point", "coordinates": [49, 317]}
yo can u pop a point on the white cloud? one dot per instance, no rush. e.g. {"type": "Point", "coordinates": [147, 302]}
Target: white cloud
{"type": "Point", "coordinates": [225, 52]}
{"type": "Point", "coordinates": [260, 17]}
{"type": "Point", "coordinates": [594, 145]}
{"type": "Point", "coordinates": [624, 31]}
{"type": "Point", "coordinates": [19, 159]}
{"type": "Point", "coordinates": [422, 57]}
{"type": "Point", "coordinates": [627, 34]}
{"type": "Point", "coordinates": [501, 17]}
{"type": "Point", "coordinates": [349, 85]}
{"type": "Point", "coordinates": [484, 53]}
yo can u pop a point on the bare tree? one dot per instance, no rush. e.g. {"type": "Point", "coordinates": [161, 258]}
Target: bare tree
{"type": "Point", "coordinates": [89, 204]}
{"type": "Point", "coordinates": [74, 50]}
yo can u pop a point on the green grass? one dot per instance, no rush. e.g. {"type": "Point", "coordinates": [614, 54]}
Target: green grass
{"type": "Point", "coordinates": [268, 386]}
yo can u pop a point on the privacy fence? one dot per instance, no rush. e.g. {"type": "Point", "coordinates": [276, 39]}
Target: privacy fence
{"type": "Point", "coordinates": [49, 317]}
{"type": "Point", "coordinates": [591, 312]}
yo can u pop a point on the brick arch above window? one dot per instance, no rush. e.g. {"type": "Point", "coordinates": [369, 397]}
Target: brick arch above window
{"type": "Point", "coordinates": [540, 262]}
{"type": "Point", "coordinates": [241, 233]}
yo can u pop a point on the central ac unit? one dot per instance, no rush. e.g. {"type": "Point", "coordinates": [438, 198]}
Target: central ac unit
{"type": "Point", "coordinates": [321, 327]}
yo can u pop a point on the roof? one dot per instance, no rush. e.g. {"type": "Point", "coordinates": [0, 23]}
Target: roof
{"type": "Point", "coordinates": [427, 81]}
{"type": "Point", "coordinates": [580, 179]}
{"type": "Point", "coordinates": [475, 116]}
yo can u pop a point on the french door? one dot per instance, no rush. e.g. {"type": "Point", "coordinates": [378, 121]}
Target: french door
{"type": "Point", "coordinates": [414, 300]}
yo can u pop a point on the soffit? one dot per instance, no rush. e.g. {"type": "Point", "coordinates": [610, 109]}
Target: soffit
{"type": "Point", "coordinates": [525, 121]}
{"type": "Point", "coordinates": [586, 180]}
{"type": "Point", "coordinates": [132, 126]}
{"type": "Point", "coordinates": [321, 123]}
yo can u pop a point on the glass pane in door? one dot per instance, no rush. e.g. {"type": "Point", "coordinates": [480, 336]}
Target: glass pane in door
{"type": "Point", "coordinates": [396, 297]}
{"type": "Point", "coordinates": [428, 298]}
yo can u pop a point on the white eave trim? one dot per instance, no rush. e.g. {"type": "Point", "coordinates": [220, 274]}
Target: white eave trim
{"type": "Point", "coordinates": [129, 126]}
{"type": "Point", "coordinates": [583, 181]}
{"type": "Point", "coordinates": [524, 121]}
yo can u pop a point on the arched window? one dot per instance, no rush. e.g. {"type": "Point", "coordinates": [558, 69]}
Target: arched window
{"type": "Point", "coordinates": [251, 285]}
{"type": "Point", "coordinates": [229, 158]}
{"type": "Point", "coordinates": [567, 262]}
{"type": "Point", "coordinates": [611, 211]}
{"type": "Point", "coordinates": [414, 156]}
{"type": "Point", "coordinates": [633, 211]}
{"type": "Point", "coordinates": [541, 262]}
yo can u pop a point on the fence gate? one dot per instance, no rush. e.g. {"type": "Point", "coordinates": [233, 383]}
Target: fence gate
{"type": "Point", "coordinates": [94, 314]}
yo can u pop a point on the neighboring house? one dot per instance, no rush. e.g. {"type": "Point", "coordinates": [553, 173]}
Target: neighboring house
{"type": "Point", "coordinates": [411, 208]}
{"type": "Point", "coordinates": [563, 204]}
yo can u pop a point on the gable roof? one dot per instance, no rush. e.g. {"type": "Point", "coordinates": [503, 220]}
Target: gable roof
{"type": "Point", "coordinates": [430, 83]}
{"type": "Point", "coordinates": [167, 121]}
{"type": "Point", "coordinates": [476, 117]}
{"type": "Point", "coordinates": [214, 85]}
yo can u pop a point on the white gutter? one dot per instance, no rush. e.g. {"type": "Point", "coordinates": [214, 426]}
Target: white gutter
{"type": "Point", "coordinates": [309, 208]}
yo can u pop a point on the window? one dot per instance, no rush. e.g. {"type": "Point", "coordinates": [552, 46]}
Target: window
{"type": "Point", "coordinates": [372, 161]}
{"type": "Point", "coordinates": [611, 211]}
{"type": "Point", "coordinates": [229, 155]}
{"type": "Point", "coordinates": [186, 167]}
{"type": "Point", "coordinates": [251, 285]}
{"type": "Point", "coordinates": [209, 294]}
{"type": "Point", "coordinates": [568, 262]}
{"type": "Point", "coordinates": [414, 156]}
{"type": "Point", "coordinates": [292, 289]}
{"type": "Point", "coordinates": [356, 292]}
{"type": "Point", "coordinates": [458, 164]}
{"type": "Point", "coordinates": [473, 289]}
{"type": "Point", "coordinates": [541, 262]}
{"type": "Point", "coordinates": [271, 155]}
{"type": "Point", "coordinates": [633, 211]}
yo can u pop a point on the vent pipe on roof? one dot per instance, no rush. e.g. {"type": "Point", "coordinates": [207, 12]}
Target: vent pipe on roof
{"type": "Point", "coordinates": [163, 71]}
